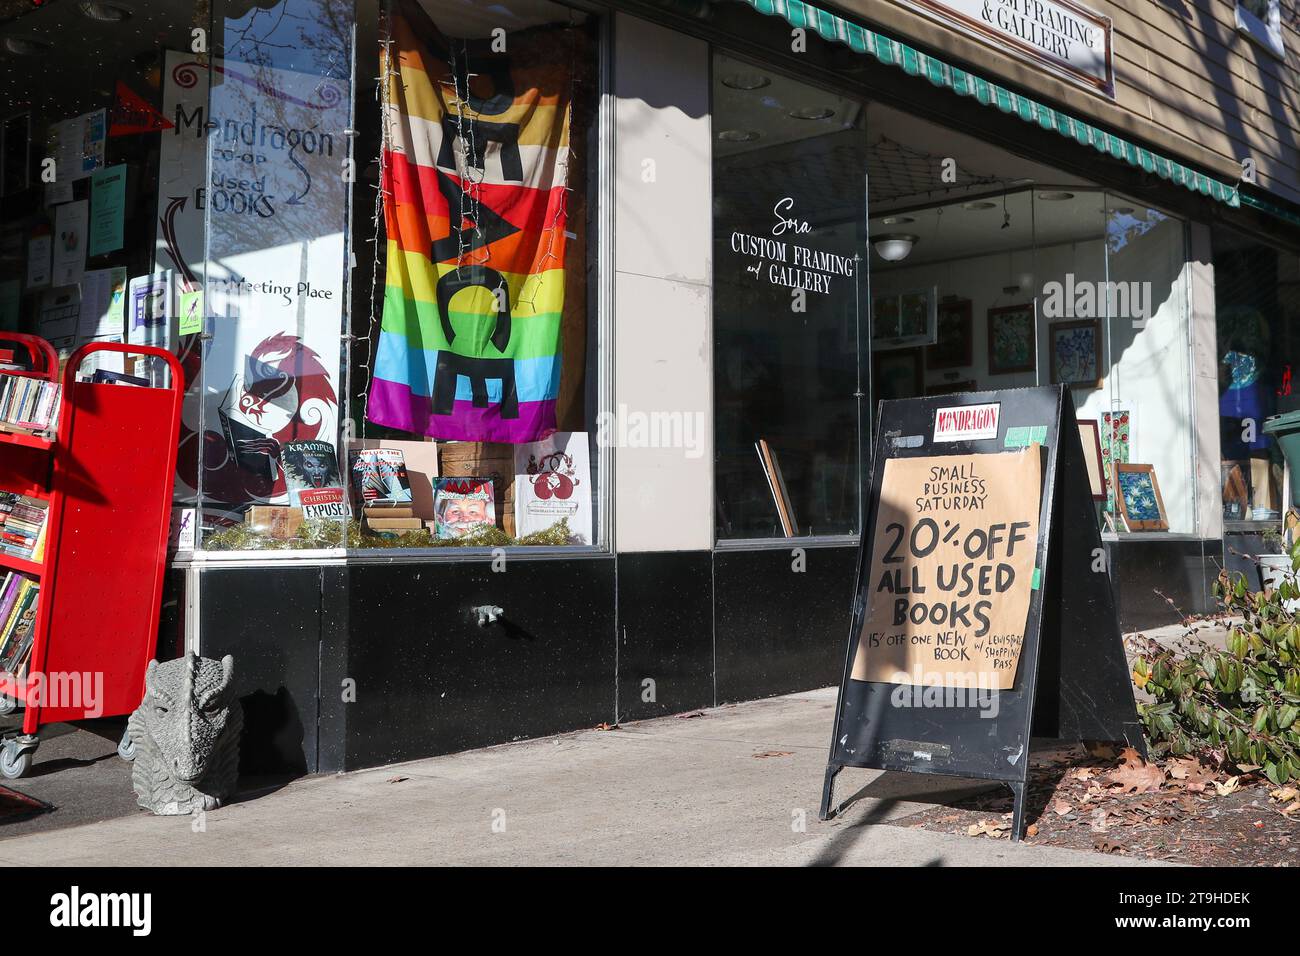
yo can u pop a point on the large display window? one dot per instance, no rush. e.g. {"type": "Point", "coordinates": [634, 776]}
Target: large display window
{"type": "Point", "coordinates": [383, 291]}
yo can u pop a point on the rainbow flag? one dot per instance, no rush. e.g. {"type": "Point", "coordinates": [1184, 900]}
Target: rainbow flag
{"type": "Point", "coordinates": [475, 158]}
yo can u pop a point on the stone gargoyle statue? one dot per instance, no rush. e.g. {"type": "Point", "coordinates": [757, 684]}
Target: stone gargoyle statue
{"type": "Point", "coordinates": [185, 735]}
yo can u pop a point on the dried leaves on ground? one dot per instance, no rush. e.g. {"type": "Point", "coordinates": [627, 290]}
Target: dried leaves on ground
{"type": "Point", "coordinates": [1197, 810]}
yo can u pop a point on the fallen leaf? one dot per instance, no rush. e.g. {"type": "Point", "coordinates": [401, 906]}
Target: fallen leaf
{"type": "Point", "coordinates": [698, 713]}
{"type": "Point", "coordinates": [1284, 794]}
{"type": "Point", "coordinates": [990, 828]}
{"type": "Point", "coordinates": [1099, 820]}
{"type": "Point", "coordinates": [1031, 830]}
{"type": "Point", "coordinates": [1061, 808]}
{"type": "Point", "coordinates": [1107, 846]}
{"type": "Point", "coordinates": [1194, 775]}
{"type": "Point", "coordinates": [1223, 789]}
{"type": "Point", "coordinates": [1083, 773]}
{"type": "Point", "coordinates": [397, 779]}
{"type": "Point", "coordinates": [607, 726]}
{"type": "Point", "coordinates": [1136, 775]}
{"type": "Point", "coordinates": [774, 753]}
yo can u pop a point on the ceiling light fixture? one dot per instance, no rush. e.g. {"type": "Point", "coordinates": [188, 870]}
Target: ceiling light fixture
{"type": "Point", "coordinates": [1055, 197]}
{"type": "Point", "coordinates": [896, 246]}
{"type": "Point", "coordinates": [746, 81]}
{"type": "Point", "coordinates": [896, 220]}
{"type": "Point", "coordinates": [976, 205]}
{"type": "Point", "coordinates": [738, 135]}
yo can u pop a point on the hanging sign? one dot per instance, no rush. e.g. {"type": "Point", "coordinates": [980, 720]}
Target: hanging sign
{"type": "Point", "coordinates": [983, 613]}
{"type": "Point", "coordinates": [1068, 38]}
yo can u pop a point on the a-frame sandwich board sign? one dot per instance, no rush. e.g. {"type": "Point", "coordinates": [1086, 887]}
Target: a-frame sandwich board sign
{"type": "Point", "coordinates": [983, 613]}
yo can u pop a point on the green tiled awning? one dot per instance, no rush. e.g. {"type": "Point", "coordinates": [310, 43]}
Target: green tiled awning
{"type": "Point", "coordinates": [964, 83]}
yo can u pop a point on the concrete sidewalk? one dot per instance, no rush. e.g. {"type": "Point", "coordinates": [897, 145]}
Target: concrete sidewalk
{"type": "Point", "coordinates": [672, 791]}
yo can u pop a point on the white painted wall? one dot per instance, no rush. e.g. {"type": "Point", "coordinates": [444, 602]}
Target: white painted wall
{"type": "Point", "coordinates": [663, 496]}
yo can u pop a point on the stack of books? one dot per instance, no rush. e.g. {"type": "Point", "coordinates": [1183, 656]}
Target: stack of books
{"type": "Point", "coordinates": [18, 595]}
{"type": "Point", "coordinates": [22, 525]}
{"type": "Point", "coordinates": [28, 404]}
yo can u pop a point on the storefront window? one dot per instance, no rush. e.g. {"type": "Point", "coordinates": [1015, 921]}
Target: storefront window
{"type": "Point", "coordinates": [383, 303]}
{"type": "Point", "coordinates": [789, 188]}
{"type": "Point", "coordinates": [1257, 307]}
{"type": "Point", "coordinates": [1008, 285]}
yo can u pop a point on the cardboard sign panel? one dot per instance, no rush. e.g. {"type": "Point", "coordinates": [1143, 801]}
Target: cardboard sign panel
{"type": "Point", "coordinates": [952, 569]}
{"type": "Point", "coordinates": [979, 499]}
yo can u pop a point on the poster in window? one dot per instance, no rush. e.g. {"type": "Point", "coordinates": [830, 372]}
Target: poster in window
{"type": "Point", "coordinates": [272, 264]}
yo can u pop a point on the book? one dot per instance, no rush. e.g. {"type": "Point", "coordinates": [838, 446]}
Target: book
{"type": "Point", "coordinates": [311, 475]}
{"type": "Point", "coordinates": [16, 638]}
{"type": "Point", "coordinates": [553, 482]}
{"type": "Point", "coordinates": [462, 505]}
{"type": "Point", "coordinates": [379, 477]}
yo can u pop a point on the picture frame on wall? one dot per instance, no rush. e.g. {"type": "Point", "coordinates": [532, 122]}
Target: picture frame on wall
{"type": "Point", "coordinates": [901, 320]}
{"type": "Point", "coordinates": [1076, 353]}
{"type": "Point", "coordinates": [1138, 497]}
{"type": "Point", "coordinates": [1011, 339]}
{"type": "Point", "coordinates": [898, 373]}
{"type": "Point", "coordinates": [953, 335]}
{"type": "Point", "coordinates": [1090, 438]}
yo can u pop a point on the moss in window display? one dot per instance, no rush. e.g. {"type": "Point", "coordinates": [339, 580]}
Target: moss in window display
{"type": "Point", "coordinates": [332, 534]}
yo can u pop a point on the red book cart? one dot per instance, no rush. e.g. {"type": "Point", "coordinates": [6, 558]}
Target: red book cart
{"type": "Point", "coordinates": [107, 474]}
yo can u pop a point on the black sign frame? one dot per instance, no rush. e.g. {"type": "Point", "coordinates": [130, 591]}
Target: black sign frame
{"type": "Point", "coordinates": [1072, 681]}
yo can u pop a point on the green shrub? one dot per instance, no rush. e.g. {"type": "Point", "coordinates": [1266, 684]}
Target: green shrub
{"type": "Point", "coordinates": [1242, 702]}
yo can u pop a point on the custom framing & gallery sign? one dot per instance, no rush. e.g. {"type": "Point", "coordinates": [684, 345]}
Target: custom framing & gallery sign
{"type": "Point", "coordinates": [1066, 37]}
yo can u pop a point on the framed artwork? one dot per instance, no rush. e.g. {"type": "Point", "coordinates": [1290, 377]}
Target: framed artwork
{"type": "Point", "coordinates": [904, 319]}
{"type": "Point", "coordinates": [953, 388]}
{"type": "Point", "coordinates": [1076, 353]}
{"type": "Point", "coordinates": [1090, 438]}
{"type": "Point", "coordinates": [898, 373]}
{"type": "Point", "coordinates": [952, 347]}
{"type": "Point", "coordinates": [1139, 499]}
{"type": "Point", "coordinates": [1115, 444]}
{"type": "Point", "coordinates": [1011, 339]}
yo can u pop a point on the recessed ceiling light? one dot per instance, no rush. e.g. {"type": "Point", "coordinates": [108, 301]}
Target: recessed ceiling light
{"type": "Point", "coordinates": [896, 220]}
{"type": "Point", "coordinates": [738, 135]}
{"type": "Point", "coordinates": [978, 205]}
{"type": "Point", "coordinates": [812, 113]}
{"type": "Point", "coordinates": [1055, 197]}
{"type": "Point", "coordinates": [106, 12]}
{"type": "Point", "coordinates": [1123, 210]}
{"type": "Point", "coordinates": [746, 81]}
